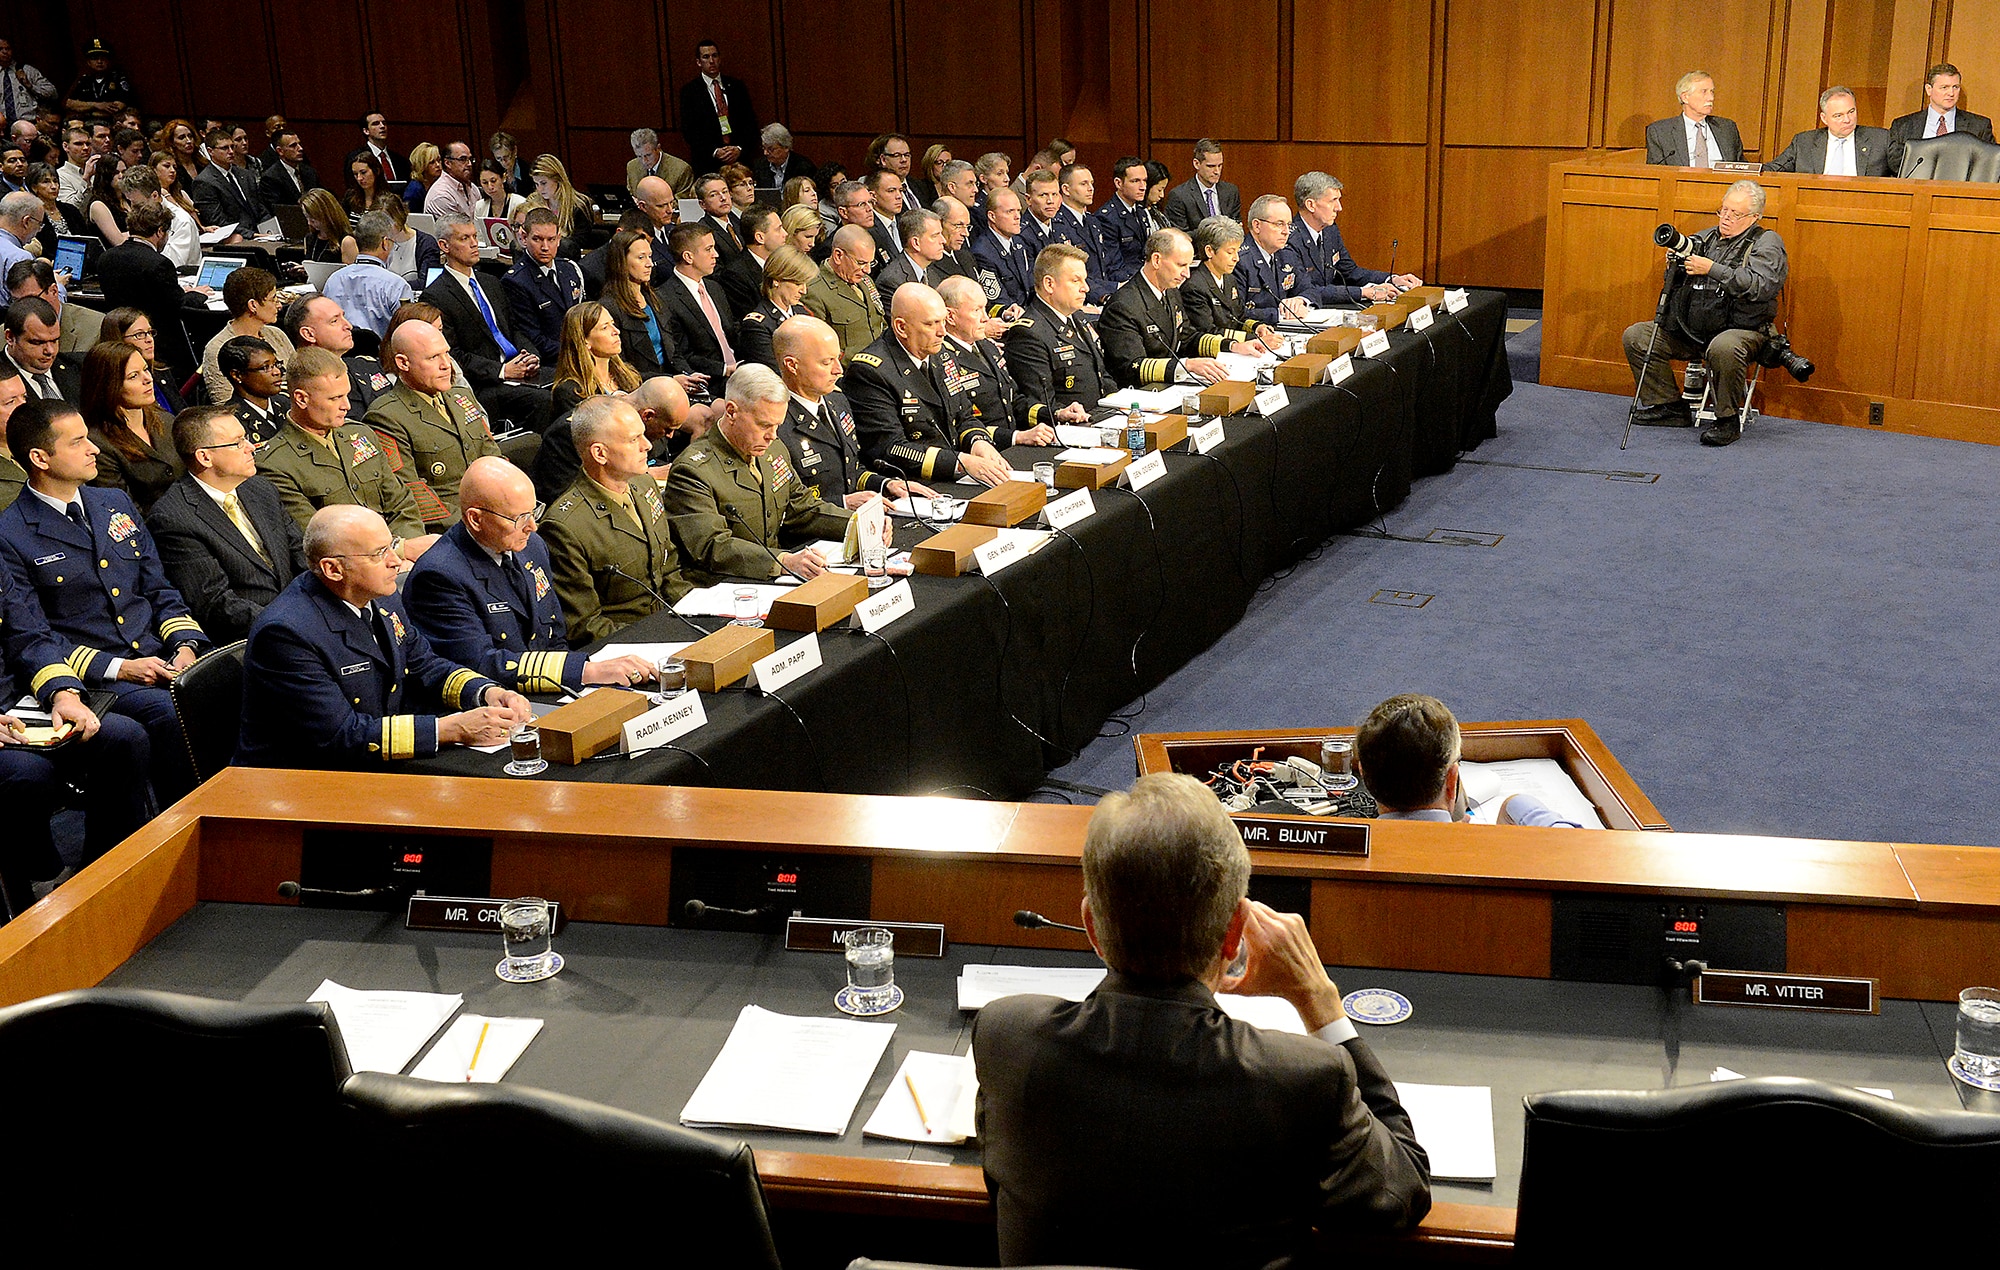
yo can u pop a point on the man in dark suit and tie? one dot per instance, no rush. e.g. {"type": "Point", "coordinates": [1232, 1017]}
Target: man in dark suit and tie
{"type": "Point", "coordinates": [1147, 337]}
{"type": "Point", "coordinates": [499, 362]}
{"type": "Point", "coordinates": [34, 336]}
{"type": "Point", "coordinates": [1839, 146]}
{"type": "Point", "coordinates": [134, 274]}
{"type": "Point", "coordinates": [1940, 116]}
{"type": "Point", "coordinates": [1205, 193]}
{"type": "Point", "coordinates": [224, 194]}
{"type": "Point", "coordinates": [719, 214]}
{"type": "Point", "coordinates": [225, 539]}
{"type": "Point", "coordinates": [704, 327]}
{"type": "Point", "coordinates": [717, 119]}
{"type": "Point", "coordinates": [374, 148]}
{"type": "Point", "coordinates": [1101, 1119]}
{"type": "Point", "coordinates": [288, 176]}
{"type": "Point", "coordinates": [922, 233]}
{"type": "Point", "coordinates": [542, 287]}
{"type": "Point", "coordinates": [1697, 137]}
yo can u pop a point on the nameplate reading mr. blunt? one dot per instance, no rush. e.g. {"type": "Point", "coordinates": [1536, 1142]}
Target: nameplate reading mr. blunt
{"type": "Point", "coordinates": [822, 934]}
{"type": "Point", "coordinates": [663, 724]}
{"type": "Point", "coordinates": [1375, 343]}
{"type": "Point", "coordinates": [885, 606]}
{"type": "Point", "coordinates": [1296, 833]}
{"type": "Point", "coordinates": [1786, 992]}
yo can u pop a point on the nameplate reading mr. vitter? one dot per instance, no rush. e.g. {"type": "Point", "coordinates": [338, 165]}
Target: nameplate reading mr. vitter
{"type": "Point", "coordinates": [1786, 992]}
{"type": "Point", "coordinates": [1288, 833]}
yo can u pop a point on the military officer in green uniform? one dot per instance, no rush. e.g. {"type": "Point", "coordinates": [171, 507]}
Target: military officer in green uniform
{"type": "Point", "coordinates": [319, 458]}
{"type": "Point", "coordinates": [843, 296]}
{"type": "Point", "coordinates": [438, 429]}
{"type": "Point", "coordinates": [610, 545]}
{"type": "Point", "coordinates": [734, 494]}
{"type": "Point", "coordinates": [13, 391]}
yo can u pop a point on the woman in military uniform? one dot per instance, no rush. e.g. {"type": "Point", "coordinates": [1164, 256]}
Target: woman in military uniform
{"type": "Point", "coordinates": [786, 275]}
{"type": "Point", "coordinates": [1212, 296]}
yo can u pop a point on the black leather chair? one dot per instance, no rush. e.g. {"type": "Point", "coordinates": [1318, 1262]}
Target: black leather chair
{"type": "Point", "coordinates": [208, 701]}
{"type": "Point", "coordinates": [143, 1113]}
{"type": "Point", "coordinates": [1796, 1170]}
{"type": "Point", "coordinates": [1956, 156]}
{"type": "Point", "coordinates": [490, 1155]}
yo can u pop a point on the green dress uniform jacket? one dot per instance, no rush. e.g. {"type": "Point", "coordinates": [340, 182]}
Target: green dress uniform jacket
{"type": "Point", "coordinates": [608, 564]}
{"type": "Point", "coordinates": [354, 468]}
{"type": "Point", "coordinates": [853, 310]}
{"type": "Point", "coordinates": [438, 437]}
{"type": "Point", "coordinates": [729, 512]}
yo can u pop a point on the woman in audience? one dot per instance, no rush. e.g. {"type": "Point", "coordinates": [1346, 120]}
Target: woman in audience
{"type": "Point", "coordinates": [553, 191]}
{"type": "Point", "coordinates": [924, 182]}
{"type": "Point", "coordinates": [507, 153]}
{"type": "Point", "coordinates": [57, 217]}
{"type": "Point", "coordinates": [1212, 296]}
{"type": "Point", "coordinates": [497, 199]}
{"type": "Point", "coordinates": [786, 274]}
{"type": "Point", "coordinates": [104, 205]}
{"type": "Point", "coordinates": [1158, 182]}
{"type": "Point", "coordinates": [592, 360]}
{"type": "Point", "coordinates": [329, 236]}
{"type": "Point", "coordinates": [742, 185]}
{"type": "Point", "coordinates": [798, 191]}
{"type": "Point", "coordinates": [802, 227]}
{"type": "Point", "coordinates": [134, 437]}
{"type": "Point", "coordinates": [644, 332]}
{"type": "Point", "coordinates": [136, 329]}
{"type": "Point", "coordinates": [412, 252]}
{"type": "Point", "coordinates": [426, 166]}
{"type": "Point", "coordinates": [831, 174]}
{"type": "Point", "coordinates": [364, 188]}
{"type": "Point", "coordinates": [251, 296]}
{"type": "Point", "coordinates": [168, 173]}
{"type": "Point", "coordinates": [418, 311]}
{"type": "Point", "coordinates": [179, 140]}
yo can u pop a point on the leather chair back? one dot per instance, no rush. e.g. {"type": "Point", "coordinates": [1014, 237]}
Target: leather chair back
{"type": "Point", "coordinates": [482, 1153]}
{"type": "Point", "coordinates": [1956, 156]}
{"type": "Point", "coordinates": [208, 701]}
{"type": "Point", "coordinates": [1799, 1170]}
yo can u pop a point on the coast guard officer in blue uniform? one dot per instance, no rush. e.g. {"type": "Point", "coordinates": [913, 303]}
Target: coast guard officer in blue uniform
{"type": "Point", "coordinates": [93, 569]}
{"type": "Point", "coordinates": [484, 597]}
{"type": "Point", "coordinates": [337, 675]}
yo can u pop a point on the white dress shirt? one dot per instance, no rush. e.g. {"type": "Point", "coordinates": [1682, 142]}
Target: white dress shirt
{"type": "Point", "coordinates": [1840, 155]}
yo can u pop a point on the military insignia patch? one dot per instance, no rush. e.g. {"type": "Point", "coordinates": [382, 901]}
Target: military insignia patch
{"type": "Point", "coordinates": [541, 581]}
{"type": "Point", "coordinates": [121, 527]}
{"type": "Point", "coordinates": [437, 469]}
{"type": "Point", "coordinates": [868, 359]}
{"type": "Point", "coordinates": [362, 447]}
{"type": "Point", "coordinates": [989, 283]}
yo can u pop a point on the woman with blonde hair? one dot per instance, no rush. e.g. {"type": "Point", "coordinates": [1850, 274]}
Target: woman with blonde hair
{"type": "Point", "coordinates": [426, 166]}
{"type": "Point", "coordinates": [554, 191]}
{"type": "Point", "coordinates": [592, 360]}
{"type": "Point", "coordinates": [329, 237]}
{"type": "Point", "coordinates": [802, 226]}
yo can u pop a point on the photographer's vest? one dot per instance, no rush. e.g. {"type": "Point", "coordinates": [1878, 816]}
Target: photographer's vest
{"type": "Point", "coordinates": [1701, 309]}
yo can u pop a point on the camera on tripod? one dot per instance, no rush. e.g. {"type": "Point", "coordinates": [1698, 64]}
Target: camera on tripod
{"type": "Point", "coordinates": [1777, 351]}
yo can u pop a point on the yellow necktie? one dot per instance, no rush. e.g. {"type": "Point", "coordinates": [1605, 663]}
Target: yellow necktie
{"type": "Point", "coordinates": [233, 507]}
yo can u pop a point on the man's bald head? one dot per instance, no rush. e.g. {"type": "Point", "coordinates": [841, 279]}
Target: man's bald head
{"type": "Point", "coordinates": [338, 528]}
{"type": "Point", "coordinates": [493, 497]}
{"type": "Point", "coordinates": [808, 353]}
{"type": "Point", "coordinates": [491, 480]}
{"type": "Point", "coordinates": [917, 315]}
{"type": "Point", "coordinates": [656, 198]}
{"type": "Point", "coordinates": [352, 552]}
{"type": "Point", "coordinates": [421, 356]}
{"type": "Point", "coordinates": [662, 403]}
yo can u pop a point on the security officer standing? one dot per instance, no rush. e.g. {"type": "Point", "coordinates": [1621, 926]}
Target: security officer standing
{"type": "Point", "coordinates": [843, 295]}
{"type": "Point", "coordinates": [733, 494]}
{"type": "Point", "coordinates": [611, 549]}
{"type": "Point", "coordinates": [484, 598]}
{"type": "Point", "coordinates": [818, 431]}
{"type": "Point", "coordinates": [977, 368]}
{"type": "Point", "coordinates": [439, 429]}
{"type": "Point", "coordinates": [115, 622]}
{"type": "Point", "coordinates": [909, 415]}
{"type": "Point", "coordinates": [1056, 361]}
{"type": "Point", "coordinates": [1148, 339]}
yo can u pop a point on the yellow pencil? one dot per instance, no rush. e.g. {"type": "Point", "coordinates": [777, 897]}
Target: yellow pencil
{"type": "Point", "coordinates": [482, 1045]}
{"type": "Point", "coordinates": [920, 1102]}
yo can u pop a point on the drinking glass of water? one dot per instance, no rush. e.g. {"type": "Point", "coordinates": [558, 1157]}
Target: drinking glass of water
{"type": "Point", "coordinates": [1046, 473]}
{"type": "Point", "coordinates": [1977, 1053]}
{"type": "Point", "coordinates": [871, 972]}
{"type": "Point", "coordinates": [526, 751]}
{"type": "Point", "coordinates": [1336, 764]}
{"type": "Point", "coordinates": [875, 565]}
{"type": "Point", "coordinates": [748, 611]}
{"type": "Point", "coordinates": [673, 674]}
{"type": "Point", "coordinates": [525, 937]}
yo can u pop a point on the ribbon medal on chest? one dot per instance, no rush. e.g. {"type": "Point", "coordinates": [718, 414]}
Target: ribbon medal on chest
{"type": "Point", "coordinates": [121, 527]}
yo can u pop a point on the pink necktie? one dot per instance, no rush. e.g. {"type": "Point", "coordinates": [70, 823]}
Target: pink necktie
{"type": "Point", "coordinates": [715, 324]}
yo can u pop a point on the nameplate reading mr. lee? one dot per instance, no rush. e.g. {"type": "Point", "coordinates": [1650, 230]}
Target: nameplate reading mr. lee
{"type": "Point", "coordinates": [1287, 833]}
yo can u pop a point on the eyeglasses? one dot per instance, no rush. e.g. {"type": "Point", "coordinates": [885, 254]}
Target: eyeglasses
{"type": "Point", "coordinates": [521, 522]}
{"type": "Point", "coordinates": [1730, 213]}
{"type": "Point", "coordinates": [240, 443]}
{"type": "Point", "coordinates": [378, 556]}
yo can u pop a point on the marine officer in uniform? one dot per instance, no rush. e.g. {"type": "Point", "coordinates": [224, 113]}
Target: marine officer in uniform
{"type": "Point", "coordinates": [610, 545]}
{"type": "Point", "coordinates": [818, 431]}
{"type": "Point", "coordinates": [910, 417]}
{"type": "Point", "coordinates": [843, 295]}
{"type": "Point", "coordinates": [1148, 340]}
{"type": "Point", "coordinates": [114, 620]}
{"type": "Point", "coordinates": [734, 495]}
{"type": "Point", "coordinates": [1056, 361]}
{"type": "Point", "coordinates": [977, 368]}
{"type": "Point", "coordinates": [439, 429]}
{"type": "Point", "coordinates": [485, 598]}
{"type": "Point", "coordinates": [337, 675]}
{"type": "Point", "coordinates": [1213, 298]}
{"type": "Point", "coordinates": [319, 458]}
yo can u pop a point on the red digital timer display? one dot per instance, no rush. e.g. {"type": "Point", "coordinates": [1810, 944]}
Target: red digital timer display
{"type": "Point", "coordinates": [787, 879]}
{"type": "Point", "coordinates": [413, 857]}
{"type": "Point", "coordinates": [1686, 927]}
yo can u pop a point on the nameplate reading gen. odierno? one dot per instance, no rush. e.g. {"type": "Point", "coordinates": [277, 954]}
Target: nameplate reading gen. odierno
{"type": "Point", "coordinates": [1297, 833]}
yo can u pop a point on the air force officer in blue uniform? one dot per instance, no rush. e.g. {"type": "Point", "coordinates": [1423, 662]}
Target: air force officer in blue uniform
{"type": "Point", "coordinates": [337, 675]}
{"type": "Point", "coordinates": [1327, 273]}
{"type": "Point", "coordinates": [484, 597]}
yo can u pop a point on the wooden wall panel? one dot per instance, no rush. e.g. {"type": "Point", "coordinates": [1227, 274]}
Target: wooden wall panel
{"type": "Point", "coordinates": [963, 67]}
{"type": "Point", "coordinates": [1973, 46]}
{"type": "Point", "coordinates": [1530, 89]}
{"type": "Point", "coordinates": [336, 88]}
{"type": "Point", "coordinates": [1650, 50]}
{"type": "Point", "coordinates": [415, 51]}
{"type": "Point", "coordinates": [327, 144]}
{"type": "Point", "coordinates": [1958, 356]}
{"type": "Point", "coordinates": [1857, 53]}
{"type": "Point", "coordinates": [1383, 201]}
{"type": "Point", "coordinates": [1384, 96]}
{"type": "Point", "coordinates": [1841, 297]}
{"type": "Point", "coordinates": [853, 92]}
{"type": "Point", "coordinates": [600, 154]}
{"type": "Point", "coordinates": [234, 80]}
{"type": "Point", "coordinates": [141, 36]}
{"type": "Point", "coordinates": [1211, 66]}
{"type": "Point", "coordinates": [611, 62]}
{"type": "Point", "coordinates": [742, 31]}
{"type": "Point", "coordinates": [1496, 216]}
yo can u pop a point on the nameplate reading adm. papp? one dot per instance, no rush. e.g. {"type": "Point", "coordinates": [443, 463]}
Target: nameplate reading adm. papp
{"type": "Point", "coordinates": [1298, 833]}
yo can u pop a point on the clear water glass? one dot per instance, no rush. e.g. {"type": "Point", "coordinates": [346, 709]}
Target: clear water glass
{"type": "Point", "coordinates": [1191, 406]}
{"type": "Point", "coordinates": [525, 936]}
{"type": "Point", "coordinates": [1978, 1043]}
{"type": "Point", "coordinates": [1366, 322]}
{"type": "Point", "coordinates": [673, 674]}
{"type": "Point", "coordinates": [871, 965]}
{"type": "Point", "coordinates": [875, 565]}
{"type": "Point", "coordinates": [525, 748]}
{"type": "Point", "coordinates": [1046, 474]}
{"type": "Point", "coordinates": [1336, 764]}
{"type": "Point", "coordinates": [748, 611]}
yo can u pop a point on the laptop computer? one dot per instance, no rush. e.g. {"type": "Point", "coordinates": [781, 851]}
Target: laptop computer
{"type": "Point", "coordinates": [611, 199]}
{"type": "Point", "coordinates": [769, 195]}
{"type": "Point", "coordinates": [318, 271]}
{"type": "Point", "coordinates": [291, 222]}
{"type": "Point", "coordinates": [215, 270]}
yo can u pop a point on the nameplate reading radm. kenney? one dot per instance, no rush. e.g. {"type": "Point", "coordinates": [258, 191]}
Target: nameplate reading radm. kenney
{"type": "Point", "coordinates": [1297, 833]}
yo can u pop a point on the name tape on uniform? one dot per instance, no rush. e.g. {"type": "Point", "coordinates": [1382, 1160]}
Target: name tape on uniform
{"type": "Point", "coordinates": [1207, 436]}
{"type": "Point", "coordinates": [1375, 343]}
{"type": "Point", "coordinates": [1069, 509]}
{"type": "Point", "coordinates": [662, 724]}
{"type": "Point", "coordinates": [1340, 369]}
{"type": "Point", "coordinates": [1147, 470]}
{"type": "Point", "coordinates": [1272, 400]}
{"type": "Point", "coordinates": [1420, 318]}
{"type": "Point", "coordinates": [794, 661]}
{"type": "Point", "coordinates": [1456, 300]}
{"type": "Point", "coordinates": [886, 605]}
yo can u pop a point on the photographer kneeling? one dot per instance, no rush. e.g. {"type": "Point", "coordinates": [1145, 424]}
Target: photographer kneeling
{"type": "Point", "coordinates": [1723, 293]}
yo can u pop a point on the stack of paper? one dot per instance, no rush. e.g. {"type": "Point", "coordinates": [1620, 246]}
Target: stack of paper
{"type": "Point", "coordinates": [384, 1030]}
{"type": "Point", "coordinates": [950, 1092]}
{"type": "Point", "coordinates": [1489, 784]}
{"type": "Point", "coordinates": [477, 1049]}
{"type": "Point", "coordinates": [1167, 400]}
{"type": "Point", "coordinates": [777, 1071]}
{"type": "Point", "coordinates": [1242, 366]}
{"type": "Point", "coordinates": [654, 654]}
{"type": "Point", "coordinates": [926, 511]}
{"type": "Point", "coordinates": [979, 985]}
{"type": "Point", "coordinates": [720, 600]}
{"type": "Point", "coordinates": [1093, 454]}
{"type": "Point", "coordinates": [1454, 1126]}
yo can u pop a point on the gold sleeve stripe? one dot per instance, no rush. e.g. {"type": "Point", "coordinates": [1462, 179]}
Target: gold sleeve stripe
{"type": "Point", "coordinates": [455, 683]}
{"type": "Point", "coordinates": [541, 672]}
{"type": "Point", "coordinates": [930, 462]}
{"type": "Point", "coordinates": [1154, 370]}
{"type": "Point", "coordinates": [1035, 413]}
{"type": "Point", "coordinates": [1250, 329]}
{"type": "Point", "coordinates": [399, 736]}
{"type": "Point", "coordinates": [1210, 345]}
{"type": "Point", "coordinates": [81, 659]}
{"type": "Point", "coordinates": [59, 670]}
{"type": "Point", "coordinates": [175, 625]}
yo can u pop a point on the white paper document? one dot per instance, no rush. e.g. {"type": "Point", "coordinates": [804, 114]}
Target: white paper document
{"type": "Point", "coordinates": [777, 1071]}
{"type": "Point", "coordinates": [720, 600]}
{"type": "Point", "coordinates": [1454, 1126]}
{"type": "Point", "coordinates": [1163, 399]}
{"type": "Point", "coordinates": [384, 1030]}
{"type": "Point", "coordinates": [1242, 366]}
{"type": "Point", "coordinates": [219, 234]}
{"type": "Point", "coordinates": [477, 1049]}
{"type": "Point", "coordinates": [949, 1091]}
{"type": "Point", "coordinates": [979, 985]}
{"type": "Point", "coordinates": [653, 653]}
{"type": "Point", "coordinates": [1075, 434]}
{"type": "Point", "coordinates": [925, 510]}
{"type": "Point", "coordinates": [1488, 785]}
{"type": "Point", "coordinates": [1093, 454]}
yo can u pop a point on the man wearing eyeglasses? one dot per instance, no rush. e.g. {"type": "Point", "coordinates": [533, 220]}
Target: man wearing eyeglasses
{"type": "Point", "coordinates": [224, 538]}
{"type": "Point", "coordinates": [337, 675]}
{"type": "Point", "coordinates": [1725, 292]}
{"type": "Point", "coordinates": [486, 597]}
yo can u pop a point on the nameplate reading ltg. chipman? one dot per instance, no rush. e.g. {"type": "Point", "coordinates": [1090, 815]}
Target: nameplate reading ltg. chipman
{"type": "Point", "coordinates": [1297, 833]}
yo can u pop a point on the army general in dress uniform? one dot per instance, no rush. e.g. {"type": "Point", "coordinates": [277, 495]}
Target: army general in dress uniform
{"type": "Point", "coordinates": [1056, 361]}
{"type": "Point", "coordinates": [819, 430]}
{"type": "Point", "coordinates": [910, 415]}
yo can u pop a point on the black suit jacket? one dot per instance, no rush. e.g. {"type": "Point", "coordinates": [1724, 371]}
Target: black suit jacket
{"type": "Point", "coordinates": [1908, 128]}
{"type": "Point", "coordinates": [1807, 152]}
{"type": "Point", "coordinates": [638, 342]}
{"type": "Point", "coordinates": [703, 132]}
{"type": "Point", "coordinates": [1100, 1119]}
{"type": "Point", "coordinates": [728, 244]}
{"type": "Point", "coordinates": [796, 164]}
{"type": "Point", "coordinates": [67, 372]}
{"type": "Point", "coordinates": [222, 578]}
{"type": "Point", "coordinates": [277, 188]}
{"type": "Point", "coordinates": [1666, 141]}
{"type": "Point", "coordinates": [692, 333]}
{"type": "Point", "coordinates": [228, 198]}
{"type": "Point", "coordinates": [742, 280]}
{"type": "Point", "coordinates": [465, 330]}
{"type": "Point", "coordinates": [1185, 207]}
{"type": "Point", "coordinates": [135, 274]}
{"type": "Point", "coordinates": [899, 269]}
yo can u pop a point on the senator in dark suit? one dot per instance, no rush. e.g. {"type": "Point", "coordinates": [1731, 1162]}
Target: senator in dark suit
{"type": "Point", "coordinates": [1100, 1120]}
{"type": "Point", "coordinates": [1189, 203]}
{"type": "Point", "coordinates": [225, 575]}
{"type": "Point", "coordinates": [1940, 115]}
{"type": "Point", "coordinates": [1667, 140]}
{"type": "Point", "coordinates": [1868, 147]}
{"type": "Point", "coordinates": [701, 121]}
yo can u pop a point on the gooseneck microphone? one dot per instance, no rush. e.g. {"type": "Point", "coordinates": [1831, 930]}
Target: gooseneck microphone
{"type": "Point", "coordinates": [661, 600]}
{"type": "Point", "coordinates": [293, 891]}
{"type": "Point", "coordinates": [1031, 920]}
{"type": "Point", "coordinates": [697, 912]}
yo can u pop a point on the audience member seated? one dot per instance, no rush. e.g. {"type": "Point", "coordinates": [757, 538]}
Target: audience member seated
{"type": "Point", "coordinates": [554, 191]}
{"type": "Point", "coordinates": [285, 180]}
{"type": "Point", "coordinates": [13, 391]}
{"type": "Point", "coordinates": [135, 274]}
{"type": "Point", "coordinates": [611, 547]}
{"type": "Point", "coordinates": [720, 215]}
{"type": "Point", "coordinates": [1147, 338]}
{"type": "Point", "coordinates": [456, 189]}
{"type": "Point", "coordinates": [133, 436]}
{"type": "Point", "coordinates": [853, 205]}
{"type": "Point", "coordinates": [113, 617]}
{"type": "Point", "coordinates": [1696, 137]}
{"type": "Point", "coordinates": [392, 168]}
{"type": "Point", "coordinates": [81, 327]}
{"type": "Point", "coordinates": [1940, 115]}
{"type": "Point", "coordinates": [1124, 223]}
{"type": "Point", "coordinates": [501, 366]}
{"type": "Point", "coordinates": [735, 497]}
{"type": "Point", "coordinates": [818, 431]}
{"type": "Point", "coordinates": [781, 163]}
{"type": "Point", "coordinates": [590, 361]}
{"type": "Point", "coordinates": [644, 328]}
{"type": "Point", "coordinates": [438, 429]}
{"type": "Point", "coordinates": [425, 168]}
{"type": "Point", "coordinates": [136, 329]}
{"type": "Point", "coordinates": [413, 253]}
{"type": "Point", "coordinates": [256, 377]}
{"type": "Point", "coordinates": [315, 321]}
{"type": "Point", "coordinates": [368, 291]}
{"type": "Point", "coordinates": [1407, 752]}
{"type": "Point", "coordinates": [226, 193]}
{"type": "Point", "coordinates": [1213, 298]}
{"type": "Point", "coordinates": [184, 222]}
{"type": "Point", "coordinates": [648, 159]}
{"type": "Point", "coordinates": [365, 190]}
{"type": "Point", "coordinates": [1272, 281]}
{"type": "Point", "coordinates": [1099, 1119]}
{"type": "Point", "coordinates": [742, 279]}
{"type": "Point", "coordinates": [957, 259]}
{"type": "Point", "coordinates": [1056, 361]}
{"type": "Point", "coordinates": [484, 596]}
{"type": "Point", "coordinates": [224, 538]}
{"type": "Point", "coordinates": [976, 365]}
{"type": "Point", "coordinates": [330, 233]}
{"type": "Point", "coordinates": [921, 232]}
{"type": "Point", "coordinates": [803, 228]}
{"type": "Point", "coordinates": [890, 153]}
{"type": "Point", "coordinates": [1204, 193]}
{"type": "Point", "coordinates": [698, 311]}
{"type": "Point", "coordinates": [497, 199]}
{"type": "Point", "coordinates": [660, 212]}
{"type": "Point", "coordinates": [251, 296]}
{"type": "Point", "coordinates": [542, 287]}
{"type": "Point", "coordinates": [843, 296]}
{"type": "Point", "coordinates": [668, 420]}
{"type": "Point", "coordinates": [33, 338]}
{"type": "Point", "coordinates": [335, 668]}
{"type": "Point", "coordinates": [786, 275]}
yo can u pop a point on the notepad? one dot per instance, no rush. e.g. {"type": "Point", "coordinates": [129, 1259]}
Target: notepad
{"type": "Point", "coordinates": [949, 1089]}
{"type": "Point", "coordinates": [779, 1071]}
{"type": "Point", "coordinates": [1454, 1125]}
{"type": "Point", "coordinates": [1489, 784]}
{"type": "Point", "coordinates": [452, 1058]}
{"type": "Point", "coordinates": [1165, 399]}
{"type": "Point", "coordinates": [980, 985]}
{"type": "Point", "coordinates": [384, 1030]}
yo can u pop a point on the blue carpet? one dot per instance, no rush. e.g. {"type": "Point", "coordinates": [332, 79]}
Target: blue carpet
{"type": "Point", "coordinates": [1788, 636]}
{"type": "Point", "coordinates": [1524, 351]}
